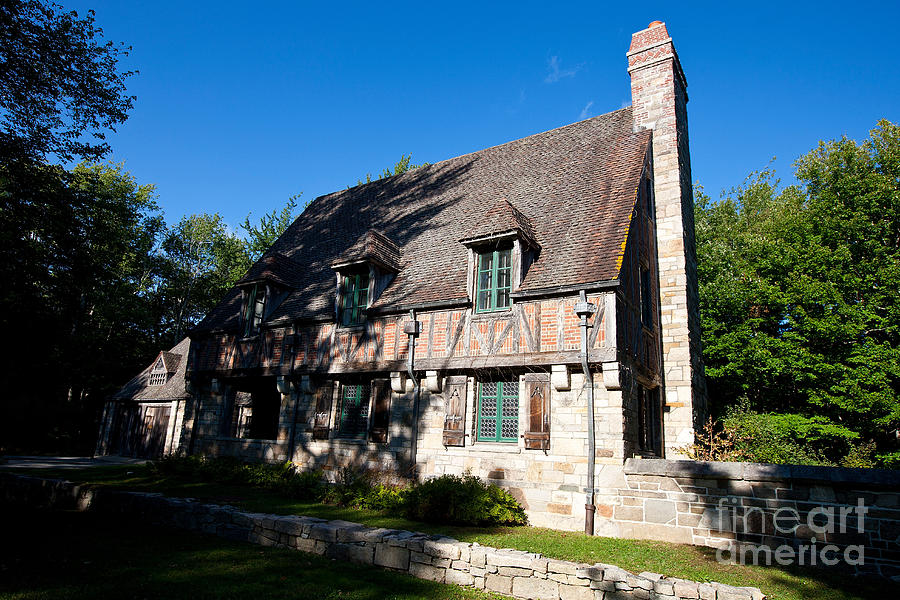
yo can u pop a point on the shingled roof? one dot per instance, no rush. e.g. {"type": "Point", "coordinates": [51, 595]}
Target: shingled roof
{"type": "Point", "coordinates": [139, 387]}
{"type": "Point", "coordinates": [575, 185]}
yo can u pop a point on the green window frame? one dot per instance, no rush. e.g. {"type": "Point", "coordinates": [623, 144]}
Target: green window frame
{"type": "Point", "coordinates": [493, 280]}
{"type": "Point", "coordinates": [354, 299]}
{"type": "Point", "coordinates": [498, 411]}
{"type": "Point", "coordinates": [354, 411]}
{"type": "Point", "coordinates": [256, 308]}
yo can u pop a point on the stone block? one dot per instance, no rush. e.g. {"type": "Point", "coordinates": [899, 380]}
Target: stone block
{"type": "Point", "coordinates": [514, 572]}
{"type": "Point", "coordinates": [498, 583]}
{"type": "Point", "coordinates": [392, 557]}
{"type": "Point", "coordinates": [537, 589]}
{"type": "Point", "coordinates": [510, 558]}
{"type": "Point", "coordinates": [561, 566]}
{"type": "Point", "coordinates": [659, 511]}
{"type": "Point", "coordinates": [686, 590]}
{"type": "Point", "coordinates": [459, 577]}
{"type": "Point", "coordinates": [441, 549]}
{"type": "Point", "coordinates": [443, 563]}
{"type": "Point", "coordinates": [423, 571]}
{"type": "Point", "coordinates": [327, 532]}
{"type": "Point", "coordinates": [572, 592]}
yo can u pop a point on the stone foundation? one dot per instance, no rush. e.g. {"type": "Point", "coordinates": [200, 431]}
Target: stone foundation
{"type": "Point", "coordinates": [445, 560]}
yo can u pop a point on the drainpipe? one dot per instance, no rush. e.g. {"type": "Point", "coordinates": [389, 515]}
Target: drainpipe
{"type": "Point", "coordinates": [412, 330]}
{"type": "Point", "coordinates": [584, 310]}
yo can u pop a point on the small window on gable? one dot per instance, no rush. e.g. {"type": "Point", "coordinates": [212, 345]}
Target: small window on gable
{"type": "Point", "coordinates": [254, 309]}
{"type": "Point", "coordinates": [494, 279]}
{"type": "Point", "coordinates": [354, 299]}
{"type": "Point", "coordinates": [159, 375]}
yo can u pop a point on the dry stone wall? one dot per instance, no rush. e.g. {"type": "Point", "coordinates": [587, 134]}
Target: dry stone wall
{"type": "Point", "coordinates": [511, 572]}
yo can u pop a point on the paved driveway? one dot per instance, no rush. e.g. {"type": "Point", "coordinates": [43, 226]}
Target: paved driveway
{"type": "Point", "coordinates": [65, 462]}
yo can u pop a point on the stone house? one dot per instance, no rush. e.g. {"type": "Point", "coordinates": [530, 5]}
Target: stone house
{"type": "Point", "coordinates": [528, 312]}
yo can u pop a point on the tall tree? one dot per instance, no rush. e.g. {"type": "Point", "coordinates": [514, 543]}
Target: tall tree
{"type": "Point", "coordinates": [61, 89]}
{"type": "Point", "coordinates": [261, 236]}
{"type": "Point", "coordinates": [801, 316]}
{"type": "Point", "coordinates": [202, 260]}
{"type": "Point", "coordinates": [76, 260]}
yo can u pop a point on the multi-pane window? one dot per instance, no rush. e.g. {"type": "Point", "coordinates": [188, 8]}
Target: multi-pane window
{"type": "Point", "coordinates": [158, 378]}
{"type": "Point", "coordinates": [354, 299]}
{"type": "Point", "coordinates": [498, 411]}
{"type": "Point", "coordinates": [256, 307]}
{"type": "Point", "coordinates": [354, 410]}
{"type": "Point", "coordinates": [494, 280]}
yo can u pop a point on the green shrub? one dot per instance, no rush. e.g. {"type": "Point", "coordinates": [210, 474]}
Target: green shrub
{"type": "Point", "coordinates": [384, 497]}
{"type": "Point", "coordinates": [464, 500]}
{"type": "Point", "coordinates": [306, 486]}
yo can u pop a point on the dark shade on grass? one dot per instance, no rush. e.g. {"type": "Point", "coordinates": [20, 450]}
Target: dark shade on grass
{"type": "Point", "coordinates": [91, 556]}
{"type": "Point", "coordinates": [674, 560]}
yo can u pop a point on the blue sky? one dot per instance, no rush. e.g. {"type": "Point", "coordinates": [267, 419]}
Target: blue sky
{"type": "Point", "coordinates": [242, 105]}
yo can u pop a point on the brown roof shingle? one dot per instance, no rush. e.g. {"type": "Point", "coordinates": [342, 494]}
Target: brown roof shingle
{"type": "Point", "coordinates": [575, 185]}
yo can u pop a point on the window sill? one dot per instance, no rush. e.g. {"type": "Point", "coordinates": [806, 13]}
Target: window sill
{"type": "Point", "coordinates": [247, 440]}
{"type": "Point", "coordinates": [351, 328]}
{"type": "Point", "coordinates": [488, 314]}
{"type": "Point", "coordinates": [487, 447]}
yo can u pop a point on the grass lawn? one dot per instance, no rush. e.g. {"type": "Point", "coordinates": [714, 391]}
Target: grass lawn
{"type": "Point", "coordinates": [84, 555]}
{"type": "Point", "coordinates": [674, 560]}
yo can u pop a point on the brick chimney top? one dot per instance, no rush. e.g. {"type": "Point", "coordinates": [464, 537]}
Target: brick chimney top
{"type": "Point", "coordinates": [654, 24]}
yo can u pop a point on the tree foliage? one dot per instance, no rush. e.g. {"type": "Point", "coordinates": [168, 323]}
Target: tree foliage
{"type": "Point", "coordinates": [402, 166]}
{"type": "Point", "coordinates": [76, 260]}
{"type": "Point", "coordinates": [60, 85]}
{"type": "Point", "coordinates": [261, 236]}
{"type": "Point", "coordinates": [801, 317]}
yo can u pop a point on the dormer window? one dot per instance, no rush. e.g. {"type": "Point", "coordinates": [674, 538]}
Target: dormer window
{"type": "Point", "coordinates": [494, 279]}
{"type": "Point", "coordinates": [354, 299]}
{"type": "Point", "coordinates": [363, 271]}
{"type": "Point", "coordinates": [501, 246]}
{"type": "Point", "coordinates": [255, 309]}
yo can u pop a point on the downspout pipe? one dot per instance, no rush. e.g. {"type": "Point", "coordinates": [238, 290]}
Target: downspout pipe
{"type": "Point", "coordinates": [411, 328]}
{"type": "Point", "coordinates": [585, 310]}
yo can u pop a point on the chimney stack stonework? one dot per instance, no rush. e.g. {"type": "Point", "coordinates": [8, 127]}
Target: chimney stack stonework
{"type": "Point", "coordinates": [659, 103]}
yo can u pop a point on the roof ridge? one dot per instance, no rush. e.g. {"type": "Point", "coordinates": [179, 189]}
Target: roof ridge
{"type": "Point", "coordinates": [474, 152]}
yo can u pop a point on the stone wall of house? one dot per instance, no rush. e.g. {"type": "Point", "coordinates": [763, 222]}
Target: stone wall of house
{"type": "Point", "coordinates": [749, 512]}
{"type": "Point", "coordinates": [437, 558]}
{"type": "Point", "coordinates": [550, 483]}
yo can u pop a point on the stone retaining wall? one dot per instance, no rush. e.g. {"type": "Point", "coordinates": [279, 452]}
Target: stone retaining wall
{"type": "Point", "coordinates": [511, 572]}
{"type": "Point", "coordinates": [851, 517]}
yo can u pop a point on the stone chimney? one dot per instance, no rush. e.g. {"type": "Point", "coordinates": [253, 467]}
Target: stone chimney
{"type": "Point", "coordinates": [659, 102]}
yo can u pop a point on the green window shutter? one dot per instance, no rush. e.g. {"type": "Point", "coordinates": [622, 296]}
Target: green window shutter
{"type": "Point", "coordinates": [494, 280]}
{"type": "Point", "coordinates": [354, 410]}
{"type": "Point", "coordinates": [498, 411]}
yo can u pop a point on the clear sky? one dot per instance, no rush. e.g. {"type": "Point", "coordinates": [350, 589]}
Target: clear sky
{"type": "Point", "coordinates": [243, 104]}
